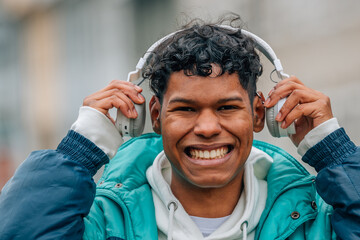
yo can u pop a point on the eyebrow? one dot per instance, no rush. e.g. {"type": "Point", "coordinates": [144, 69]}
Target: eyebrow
{"type": "Point", "coordinates": [181, 100]}
{"type": "Point", "coordinates": [224, 100]}
{"type": "Point", "coordinates": [220, 101]}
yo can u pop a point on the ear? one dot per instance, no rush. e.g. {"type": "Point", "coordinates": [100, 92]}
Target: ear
{"type": "Point", "coordinates": [259, 112]}
{"type": "Point", "coordinates": [155, 109]}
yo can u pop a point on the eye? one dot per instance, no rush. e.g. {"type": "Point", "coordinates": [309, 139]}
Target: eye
{"type": "Point", "coordinates": [227, 107]}
{"type": "Point", "coordinates": [185, 109]}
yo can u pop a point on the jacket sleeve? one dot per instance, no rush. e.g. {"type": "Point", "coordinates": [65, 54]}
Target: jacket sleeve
{"type": "Point", "coordinates": [51, 192]}
{"type": "Point", "coordinates": [337, 161]}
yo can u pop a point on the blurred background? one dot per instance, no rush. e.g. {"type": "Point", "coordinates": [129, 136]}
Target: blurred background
{"type": "Point", "coordinates": [53, 53]}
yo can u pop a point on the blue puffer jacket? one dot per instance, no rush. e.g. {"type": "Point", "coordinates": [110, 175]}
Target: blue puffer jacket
{"type": "Point", "coordinates": [51, 193]}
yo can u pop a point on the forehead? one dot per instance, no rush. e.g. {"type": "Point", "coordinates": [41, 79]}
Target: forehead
{"type": "Point", "coordinates": [201, 88]}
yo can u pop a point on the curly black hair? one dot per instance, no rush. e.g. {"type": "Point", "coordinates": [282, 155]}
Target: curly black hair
{"type": "Point", "coordinates": [195, 48]}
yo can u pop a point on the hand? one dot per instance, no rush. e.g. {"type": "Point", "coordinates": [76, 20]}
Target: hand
{"type": "Point", "coordinates": [119, 94]}
{"type": "Point", "coordinates": [306, 107]}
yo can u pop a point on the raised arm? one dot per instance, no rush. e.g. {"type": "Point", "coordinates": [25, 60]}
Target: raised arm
{"type": "Point", "coordinates": [53, 190]}
{"type": "Point", "coordinates": [337, 161]}
{"type": "Point", "coordinates": [327, 148]}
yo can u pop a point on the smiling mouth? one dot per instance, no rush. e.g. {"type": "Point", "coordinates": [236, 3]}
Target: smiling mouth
{"type": "Point", "coordinates": [208, 154]}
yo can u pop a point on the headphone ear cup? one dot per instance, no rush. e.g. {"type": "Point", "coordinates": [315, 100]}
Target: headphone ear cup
{"type": "Point", "coordinates": [273, 125]}
{"type": "Point", "coordinates": [130, 127]}
{"type": "Point", "coordinates": [271, 122]}
{"type": "Point", "coordinates": [137, 125]}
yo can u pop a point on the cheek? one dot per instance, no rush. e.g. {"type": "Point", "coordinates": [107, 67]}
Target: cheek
{"type": "Point", "coordinates": [240, 126]}
{"type": "Point", "coordinates": [173, 129]}
{"type": "Point", "coordinates": [175, 126]}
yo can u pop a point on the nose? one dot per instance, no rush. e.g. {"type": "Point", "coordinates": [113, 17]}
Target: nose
{"type": "Point", "coordinates": [207, 124]}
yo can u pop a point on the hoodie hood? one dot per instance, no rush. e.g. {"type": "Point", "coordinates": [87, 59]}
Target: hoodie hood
{"type": "Point", "coordinates": [173, 221]}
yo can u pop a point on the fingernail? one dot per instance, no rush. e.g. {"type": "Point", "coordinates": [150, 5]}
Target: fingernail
{"type": "Point", "coordinates": [140, 96]}
{"type": "Point", "coordinates": [267, 101]}
{"type": "Point", "coordinates": [271, 91]}
{"type": "Point", "coordinates": [134, 113]}
{"type": "Point", "coordinates": [283, 124]}
{"type": "Point", "coordinates": [138, 88]}
{"type": "Point", "coordinates": [278, 116]}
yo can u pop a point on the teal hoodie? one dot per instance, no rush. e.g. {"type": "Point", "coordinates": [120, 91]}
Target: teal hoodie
{"type": "Point", "coordinates": [123, 207]}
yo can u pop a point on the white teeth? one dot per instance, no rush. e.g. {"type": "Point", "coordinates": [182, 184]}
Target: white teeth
{"type": "Point", "coordinates": [213, 154]}
{"type": "Point", "coordinates": [206, 154]}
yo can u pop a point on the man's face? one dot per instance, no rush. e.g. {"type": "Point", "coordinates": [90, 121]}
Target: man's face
{"type": "Point", "coordinates": [207, 128]}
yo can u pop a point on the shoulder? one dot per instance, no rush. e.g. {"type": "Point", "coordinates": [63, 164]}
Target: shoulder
{"type": "Point", "coordinates": [292, 199]}
{"type": "Point", "coordinates": [283, 162]}
{"type": "Point", "coordinates": [123, 195]}
{"type": "Point", "coordinates": [133, 158]}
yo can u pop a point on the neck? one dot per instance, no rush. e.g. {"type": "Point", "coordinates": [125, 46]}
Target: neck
{"type": "Point", "coordinates": [207, 202]}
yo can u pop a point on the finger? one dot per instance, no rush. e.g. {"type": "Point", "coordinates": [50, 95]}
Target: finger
{"type": "Point", "coordinates": [119, 102]}
{"type": "Point", "coordinates": [319, 111]}
{"type": "Point", "coordinates": [116, 93]}
{"type": "Point", "coordinates": [295, 98]}
{"type": "Point", "coordinates": [95, 99]}
{"type": "Point", "coordinates": [305, 109]}
{"type": "Point", "coordinates": [133, 91]}
{"type": "Point", "coordinates": [282, 92]}
{"type": "Point", "coordinates": [122, 84]}
{"type": "Point", "coordinates": [117, 83]}
{"type": "Point", "coordinates": [283, 82]}
{"type": "Point", "coordinates": [129, 92]}
{"type": "Point", "coordinates": [128, 109]}
{"type": "Point", "coordinates": [103, 101]}
{"type": "Point", "coordinates": [291, 79]}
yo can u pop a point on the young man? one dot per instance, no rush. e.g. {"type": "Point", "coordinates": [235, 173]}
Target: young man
{"type": "Point", "coordinates": [212, 180]}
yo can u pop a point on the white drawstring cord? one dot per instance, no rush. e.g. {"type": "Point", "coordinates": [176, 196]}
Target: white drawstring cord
{"type": "Point", "coordinates": [172, 206]}
{"type": "Point", "coordinates": [243, 228]}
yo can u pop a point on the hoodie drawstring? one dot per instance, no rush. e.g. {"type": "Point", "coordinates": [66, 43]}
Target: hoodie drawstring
{"type": "Point", "coordinates": [172, 206]}
{"type": "Point", "coordinates": [243, 228]}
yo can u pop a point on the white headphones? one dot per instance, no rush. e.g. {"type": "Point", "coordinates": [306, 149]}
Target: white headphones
{"type": "Point", "coordinates": [134, 127]}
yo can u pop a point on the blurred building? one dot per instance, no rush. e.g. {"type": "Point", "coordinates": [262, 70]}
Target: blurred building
{"type": "Point", "coordinates": [54, 53]}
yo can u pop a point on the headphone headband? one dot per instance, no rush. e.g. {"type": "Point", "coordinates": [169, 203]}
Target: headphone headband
{"type": "Point", "coordinates": [134, 127]}
{"type": "Point", "coordinates": [260, 44]}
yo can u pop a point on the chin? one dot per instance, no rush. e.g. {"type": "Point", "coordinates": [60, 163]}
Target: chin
{"type": "Point", "coordinates": [211, 182]}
